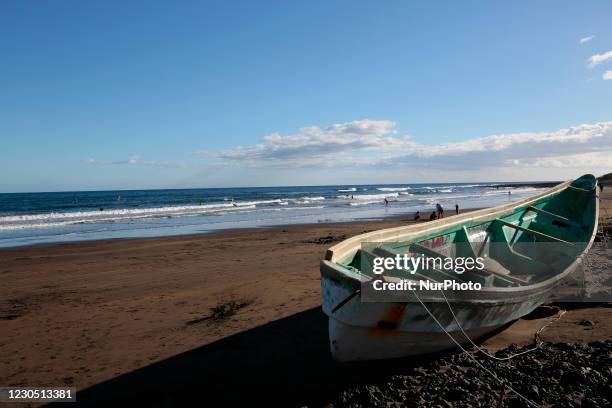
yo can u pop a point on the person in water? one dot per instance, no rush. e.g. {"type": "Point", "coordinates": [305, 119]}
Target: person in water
{"type": "Point", "coordinates": [457, 209]}
{"type": "Point", "coordinates": [417, 216]}
{"type": "Point", "coordinates": [433, 216]}
{"type": "Point", "coordinates": [440, 210]}
{"type": "Point", "coordinates": [386, 201]}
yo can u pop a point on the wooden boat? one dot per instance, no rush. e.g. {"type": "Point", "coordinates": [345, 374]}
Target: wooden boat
{"type": "Point", "coordinates": [518, 275]}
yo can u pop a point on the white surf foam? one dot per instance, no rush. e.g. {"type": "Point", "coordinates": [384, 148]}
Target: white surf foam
{"type": "Point", "coordinates": [393, 188]}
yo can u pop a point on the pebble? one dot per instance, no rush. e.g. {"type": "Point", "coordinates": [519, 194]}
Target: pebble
{"type": "Point", "coordinates": [559, 374]}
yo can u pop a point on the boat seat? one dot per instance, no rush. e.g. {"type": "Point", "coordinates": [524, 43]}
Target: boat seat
{"type": "Point", "coordinates": [583, 190]}
{"type": "Point", "coordinates": [533, 232]}
{"type": "Point", "coordinates": [498, 270]}
{"type": "Point", "coordinates": [560, 220]}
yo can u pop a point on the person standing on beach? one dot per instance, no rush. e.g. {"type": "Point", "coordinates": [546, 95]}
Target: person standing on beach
{"type": "Point", "coordinates": [440, 210]}
{"type": "Point", "coordinates": [457, 209]}
{"type": "Point", "coordinates": [417, 216]}
{"type": "Point", "coordinates": [433, 216]}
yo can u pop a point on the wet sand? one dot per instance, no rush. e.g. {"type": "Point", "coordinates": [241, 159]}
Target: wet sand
{"type": "Point", "coordinates": [129, 321]}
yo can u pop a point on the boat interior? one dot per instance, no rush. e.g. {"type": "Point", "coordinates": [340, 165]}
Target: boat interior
{"type": "Point", "coordinates": [529, 245]}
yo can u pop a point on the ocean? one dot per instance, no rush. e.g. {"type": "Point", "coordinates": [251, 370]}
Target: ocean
{"type": "Point", "coordinates": [32, 218]}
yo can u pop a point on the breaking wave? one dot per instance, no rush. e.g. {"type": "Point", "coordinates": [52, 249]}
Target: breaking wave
{"type": "Point", "coordinates": [393, 188]}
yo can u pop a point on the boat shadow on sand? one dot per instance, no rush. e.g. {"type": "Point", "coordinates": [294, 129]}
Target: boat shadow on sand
{"type": "Point", "coordinates": [283, 363]}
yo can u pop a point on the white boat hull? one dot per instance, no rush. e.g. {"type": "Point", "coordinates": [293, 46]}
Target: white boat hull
{"type": "Point", "coordinates": [370, 330]}
{"type": "Point", "coordinates": [360, 331]}
{"type": "Point", "coordinates": [353, 343]}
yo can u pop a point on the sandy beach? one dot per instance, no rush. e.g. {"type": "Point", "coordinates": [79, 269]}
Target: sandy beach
{"type": "Point", "coordinates": [212, 204]}
{"type": "Point", "coordinates": [218, 319]}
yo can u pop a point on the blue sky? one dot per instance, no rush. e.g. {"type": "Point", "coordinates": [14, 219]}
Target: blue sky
{"type": "Point", "coordinates": [119, 95]}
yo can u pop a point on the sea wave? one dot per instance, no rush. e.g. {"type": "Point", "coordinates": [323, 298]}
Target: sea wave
{"type": "Point", "coordinates": [374, 196]}
{"type": "Point", "coordinates": [106, 217]}
{"type": "Point", "coordinates": [393, 188]}
{"type": "Point", "coordinates": [473, 185]}
{"type": "Point", "coordinates": [368, 196]}
{"type": "Point", "coordinates": [138, 211]}
{"type": "Point", "coordinates": [347, 190]}
{"type": "Point", "coordinates": [294, 208]}
{"type": "Point", "coordinates": [360, 203]}
{"type": "Point", "coordinates": [312, 198]}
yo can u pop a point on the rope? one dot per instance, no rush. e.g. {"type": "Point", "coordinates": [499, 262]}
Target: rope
{"type": "Point", "coordinates": [491, 373]}
{"type": "Point", "coordinates": [605, 220]}
{"type": "Point", "coordinates": [537, 338]}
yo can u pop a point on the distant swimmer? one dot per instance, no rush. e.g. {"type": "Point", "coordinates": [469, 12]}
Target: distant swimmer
{"type": "Point", "coordinates": [457, 209]}
{"type": "Point", "coordinates": [417, 216]}
{"type": "Point", "coordinates": [101, 209]}
{"type": "Point", "coordinates": [352, 197]}
{"type": "Point", "coordinates": [440, 210]}
{"type": "Point", "coordinates": [433, 216]}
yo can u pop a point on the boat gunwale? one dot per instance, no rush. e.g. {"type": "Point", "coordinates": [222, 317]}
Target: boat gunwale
{"type": "Point", "coordinates": [345, 247]}
{"type": "Point", "coordinates": [338, 250]}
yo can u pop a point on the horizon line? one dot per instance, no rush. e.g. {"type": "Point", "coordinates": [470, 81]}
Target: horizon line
{"type": "Point", "coordinates": [287, 186]}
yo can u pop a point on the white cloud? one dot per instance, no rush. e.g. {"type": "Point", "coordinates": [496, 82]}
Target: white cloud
{"type": "Point", "coordinates": [607, 75]}
{"type": "Point", "coordinates": [590, 160]}
{"type": "Point", "coordinates": [377, 144]}
{"type": "Point", "coordinates": [134, 160]}
{"type": "Point", "coordinates": [314, 143]}
{"type": "Point", "coordinates": [586, 39]}
{"type": "Point", "coordinates": [599, 58]}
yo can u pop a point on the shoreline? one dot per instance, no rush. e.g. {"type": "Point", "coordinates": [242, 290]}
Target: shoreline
{"type": "Point", "coordinates": [405, 217]}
